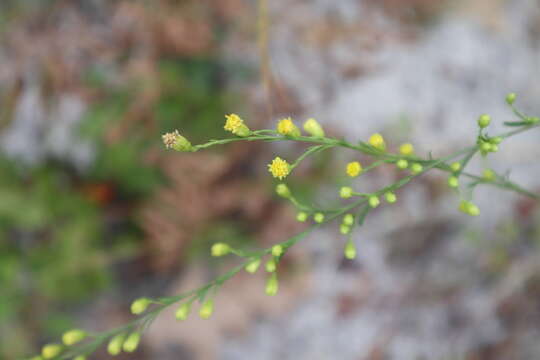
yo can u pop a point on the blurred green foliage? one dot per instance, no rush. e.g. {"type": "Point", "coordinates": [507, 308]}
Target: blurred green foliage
{"type": "Point", "coordinates": [56, 240]}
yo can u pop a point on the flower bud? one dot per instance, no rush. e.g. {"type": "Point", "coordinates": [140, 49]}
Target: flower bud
{"type": "Point", "coordinates": [373, 201]}
{"type": "Point", "coordinates": [132, 342]}
{"type": "Point", "coordinates": [346, 192]}
{"type": "Point", "coordinates": [80, 357]}
{"type": "Point", "coordinates": [488, 175]}
{"type": "Point", "coordinates": [182, 312]}
{"type": "Point", "coordinates": [455, 166]}
{"type": "Point", "coordinates": [402, 164]}
{"type": "Point", "coordinates": [416, 168]}
{"type": "Point", "coordinates": [453, 182]}
{"type": "Point", "coordinates": [277, 250]}
{"type": "Point", "coordinates": [253, 266]}
{"type": "Point", "coordinates": [510, 98]}
{"type": "Point", "coordinates": [283, 191]}
{"type": "Point", "coordinates": [50, 351]}
{"type": "Point", "coordinates": [271, 265]}
{"type": "Point", "coordinates": [350, 250]}
{"type": "Point", "coordinates": [344, 229]}
{"type": "Point", "coordinates": [220, 249]}
{"type": "Point", "coordinates": [318, 217]}
{"type": "Point", "coordinates": [484, 120]}
{"type": "Point", "coordinates": [176, 141]}
{"type": "Point", "coordinates": [206, 309]}
{"type": "Point", "coordinates": [532, 120]}
{"type": "Point", "coordinates": [272, 285]}
{"type": "Point", "coordinates": [469, 208]}
{"type": "Point", "coordinates": [496, 140]}
{"type": "Point", "coordinates": [354, 168]}
{"type": "Point", "coordinates": [313, 128]}
{"type": "Point", "coordinates": [485, 147]}
{"type": "Point", "coordinates": [139, 306]}
{"type": "Point", "coordinates": [72, 337]}
{"type": "Point", "coordinates": [390, 197]}
{"type": "Point", "coordinates": [115, 344]}
{"type": "Point", "coordinates": [348, 219]}
{"type": "Point", "coordinates": [377, 141]}
{"type": "Point", "coordinates": [406, 149]}
{"type": "Point", "coordinates": [494, 148]}
{"type": "Point", "coordinates": [302, 216]}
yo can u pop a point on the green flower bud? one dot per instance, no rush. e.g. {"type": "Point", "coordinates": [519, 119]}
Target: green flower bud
{"type": "Point", "coordinates": [348, 219]}
{"type": "Point", "coordinates": [344, 229]}
{"type": "Point", "coordinates": [220, 249]}
{"type": "Point", "coordinates": [346, 192]}
{"type": "Point", "coordinates": [390, 197]}
{"type": "Point", "coordinates": [242, 131]}
{"type": "Point", "coordinates": [253, 266]}
{"type": "Point", "coordinates": [373, 201]}
{"type": "Point", "coordinates": [455, 166]}
{"type": "Point", "coordinates": [453, 182]}
{"type": "Point", "coordinates": [139, 306]}
{"type": "Point", "coordinates": [115, 344]}
{"type": "Point", "coordinates": [72, 337]}
{"type": "Point", "coordinates": [277, 250]}
{"type": "Point", "coordinates": [206, 309]}
{"type": "Point", "coordinates": [182, 312]}
{"type": "Point", "coordinates": [80, 357]}
{"type": "Point", "coordinates": [271, 265]}
{"type": "Point", "coordinates": [50, 351]}
{"type": "Point", "coordinates": [350, 250]}
{"type": "Point", "coordinates": [313, 128]}
{"type": "Point", "coordinates": [272, 285]}
{"type": "Point", "coordinates": [494, 148]}
{"type": "Point", "coordinates": [510, 98]}
{"type": "Point", "coordinates": [496, 140]}
{"type": "Point", "coordinates": [402, 164]}
{"type": "Point", "coordinates": [484, 120]}
{"type": "Point", "coordinates": [469, 208]}
{"type": "Point", "coordinates": [283, 191]}
{"type": "Point", "coordinates": [488, 175]}
{"type": "Point", "coordinates": [132, 342]}
{"type": "Point", "coordinates": [318, 217]}
{"type": "Point", "coordinates": [533, 120]}
{"type": "Point", "coordinates": [302, 216]}
{"type": "Point", "coordinates": [416, 168]}
{"type": "Point", "coordinates": [485, 147]}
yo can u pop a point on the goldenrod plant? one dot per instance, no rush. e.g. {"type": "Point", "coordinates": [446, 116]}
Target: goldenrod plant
{"type": "Point", "coordinates": [77, 344]}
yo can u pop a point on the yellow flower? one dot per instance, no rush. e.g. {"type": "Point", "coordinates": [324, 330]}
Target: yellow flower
{"type": "Point", "coordinates": [279, 168]}
{"type": "Point", "coordinates": [377, 141]}
{"type": "Point", "coordinates": [286, 127]}
{"type": "Point", "coordinates": [354, 168]}
{"type": "Point", "coordinates": [406, 149]}
{"type": "Point", "coordinates": [236, 125]}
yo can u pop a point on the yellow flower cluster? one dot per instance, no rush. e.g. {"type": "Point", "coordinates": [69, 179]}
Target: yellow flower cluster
{"type": "Point", "coordinates": [406, 149]}
{"type": "Point", "coordinates": [288, 128]}
{"type": "Point", "coordinates": [354, 168]}
{"type": "Point", "coordinates": [235, 124]}
{"type": "Point", "coordinates": [377, 141]}
{"type": "Point", "coordinates": [279, 168]}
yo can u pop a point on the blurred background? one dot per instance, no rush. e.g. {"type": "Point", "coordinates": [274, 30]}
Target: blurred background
{"type": "Point", "coordinates": [95, 213]}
